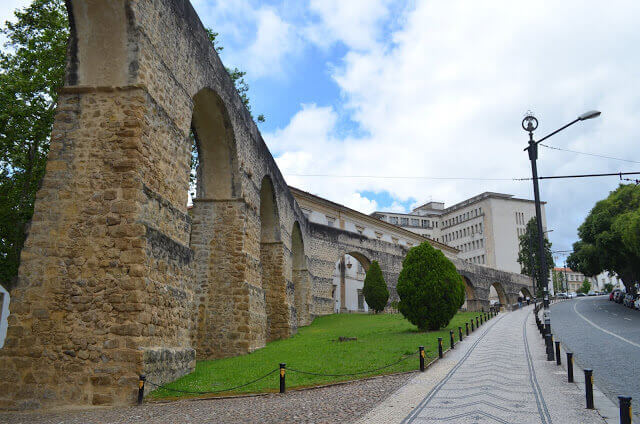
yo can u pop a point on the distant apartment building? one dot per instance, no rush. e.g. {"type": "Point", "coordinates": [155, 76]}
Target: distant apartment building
{"type": "Point", "coordinates": [485, 228]}
{"type": "Point", "coordinates": [572, 280]}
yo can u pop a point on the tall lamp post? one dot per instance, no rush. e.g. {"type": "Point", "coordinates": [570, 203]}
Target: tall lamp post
{"type": "Point", "coordinates": [529, 124]}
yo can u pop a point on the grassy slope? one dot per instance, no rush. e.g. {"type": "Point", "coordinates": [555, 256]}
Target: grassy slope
{"type": "Point", "coordinates": [382, 339]}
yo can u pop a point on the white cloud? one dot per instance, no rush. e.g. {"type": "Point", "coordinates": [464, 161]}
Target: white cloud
{"type": "Point", "coordinates": [446, 99]}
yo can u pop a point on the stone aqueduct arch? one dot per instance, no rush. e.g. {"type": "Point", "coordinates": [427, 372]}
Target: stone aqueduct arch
{"type": "Point", "coordinates": [117, 277]}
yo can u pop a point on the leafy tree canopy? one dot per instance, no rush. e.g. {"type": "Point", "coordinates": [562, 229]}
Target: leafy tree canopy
{"type": "Point", "coordinates": [375, 289]}
{"type": "Point", "coordinates": [430, 289]}
{"type": "Point", "coordinates": [609, 237]}
{"type": "Point", "coordinates": [529, 256]}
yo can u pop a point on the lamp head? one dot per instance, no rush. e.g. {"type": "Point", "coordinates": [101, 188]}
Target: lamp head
{"type": "Point", "coordinates": [529, 123]}
{"type": "Point", "coordinates": [589, 115]}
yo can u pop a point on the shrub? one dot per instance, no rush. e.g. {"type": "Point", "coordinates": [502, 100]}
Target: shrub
{"type": "Point", "coordinates": [375, 289]}
{"type": "Point", "coordinates": [431, 290]}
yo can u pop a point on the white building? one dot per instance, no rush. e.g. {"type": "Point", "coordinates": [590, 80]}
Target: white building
{"type": "Point", "coordinates": [4, 314]}
{"type": "Point", "coordinates": [485, 228]}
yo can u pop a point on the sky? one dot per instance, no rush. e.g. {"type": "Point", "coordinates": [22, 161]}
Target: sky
{"type": "Point", "coordinates": [438, 89]}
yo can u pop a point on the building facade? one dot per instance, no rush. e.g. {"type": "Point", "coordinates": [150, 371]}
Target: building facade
{"type": "Point", "coordinates": [484, 228]}
{"type": "Point", "coordinates": [572, 280]}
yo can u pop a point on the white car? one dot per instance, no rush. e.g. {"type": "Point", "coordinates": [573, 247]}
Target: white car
{"type": "Point", "coordinates": [571, 295]}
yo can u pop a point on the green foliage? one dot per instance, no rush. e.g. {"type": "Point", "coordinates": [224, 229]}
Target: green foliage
{"type": "Point", "coordinates": [558, 281]}
{"type": "Point", "coordinates": [529, 256]}
{"type": "Point", "coordinates": [609, 237]}
{"type": "Point", "coordinates": [585, 287]}
{"type": "Point", "coordinates": [237, 76]}
{"type": "Point", "coordinates": [31, 72]}
{"type": "Point", "coordinates": [430, 288]}
{"type": "Point", "coordinates": [382, 340]}
{"type": "Point", "coordinates": [375, 289]}
{"type": "Point", "coordinates": [608, 287]}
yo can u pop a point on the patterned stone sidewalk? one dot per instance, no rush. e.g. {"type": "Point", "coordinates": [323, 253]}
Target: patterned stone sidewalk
{"type": "Point", "coordinates": [497, 375]}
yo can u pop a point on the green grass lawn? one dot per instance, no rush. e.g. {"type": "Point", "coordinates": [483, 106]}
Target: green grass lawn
{"type": "Point", "coordinates": [382, 339]}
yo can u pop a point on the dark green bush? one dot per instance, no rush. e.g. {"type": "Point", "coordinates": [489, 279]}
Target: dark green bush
{"type": "Point", "coordinates": [375, 289]}
{"type": "Point", "coordinates": [431, 290]}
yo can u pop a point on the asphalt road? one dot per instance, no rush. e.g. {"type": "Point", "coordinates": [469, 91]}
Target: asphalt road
{"type": "Point", "coordinates": [604, 336]}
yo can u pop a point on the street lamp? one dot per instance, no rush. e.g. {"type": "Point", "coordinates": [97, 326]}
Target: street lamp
{"type": "Point", "coordinates": [529, 124]}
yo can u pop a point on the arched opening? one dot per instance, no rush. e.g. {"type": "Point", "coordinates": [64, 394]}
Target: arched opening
{"type": "Point", "coordinates": [469, 296]}
{"type": "Point", "coordinates": [497, 296]}
{"type": "Point", "coordinates": [525, 295]}
{"type": "Point", "coordinates": [301, 278]}
{"type": "Point", "coordinates": [348, 280]}
{"type": "Point", "coordinates": [216, 211]}
{"type": "Point", "coordinates": [271, 259]}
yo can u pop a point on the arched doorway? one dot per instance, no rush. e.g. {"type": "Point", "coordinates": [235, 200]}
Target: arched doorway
{"type": "Point", "coordinates": [497, 296]}
{"type": "Point", "coordinates": [216, 210]}
{"type": "Point", "coordinates": [348, 280]}
{"type": "Point", "coordinates": [469, 296]}
{"type": "Point", "coordinates": [300, 276]}
{"type": "Point", "coordinates": [525, 294]}
{"type": "Point", "coordinates": [271, 260]}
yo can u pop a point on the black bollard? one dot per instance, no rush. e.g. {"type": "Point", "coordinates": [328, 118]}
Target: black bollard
{"type": "Point", "coordinates": [547, 325]}
{"type": "Point", "coordinates": [588, 387]}
{"type": "Point", "coordinates": [466, 328]}
{"type": "Point", "coordinates": [570, 367]}
{"type": "Point", "coordinates": [477, 323]}
{"type": "Point", "coordinates": [141, 388]}
{"type": "Point", "coordinates": [548, 338]}
{"type": "Point", "coordinates": [472, 329]}
{"type": "Point", "coordinates": [625, 409]}
{"type": "Point", "coordinates": [421, 349]}
{"type": "Point", "coordinates": [558, 359]}
{"type": "Point", "coordinates": [460, 333]}
{"type": "Point", "coordinates": [283, 386]}
{"type": "Point", "coordinates": [440, 347]}
{"type": "Point", "coordinates": [453, 343]}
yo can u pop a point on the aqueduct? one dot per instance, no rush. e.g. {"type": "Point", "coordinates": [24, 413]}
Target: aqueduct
{"type": "Point", "coordinates": [117, 277]}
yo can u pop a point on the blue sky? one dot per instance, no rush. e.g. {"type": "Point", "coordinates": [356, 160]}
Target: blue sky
{"type": "Point", "coordinates": [437, 89]}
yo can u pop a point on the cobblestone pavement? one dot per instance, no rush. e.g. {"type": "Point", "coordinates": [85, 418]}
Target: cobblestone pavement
{"type": "Point", "coordinates": [498, 375]}
{"type": "Point", "coordinates": [336, 404]}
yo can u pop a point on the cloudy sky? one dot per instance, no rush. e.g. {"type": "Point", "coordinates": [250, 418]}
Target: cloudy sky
{"type": "Point", "coordinates": [438, 89]}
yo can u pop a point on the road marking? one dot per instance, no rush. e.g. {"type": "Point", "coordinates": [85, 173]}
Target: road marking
{"type": "Point", "coordinates": [628, 319]}
{"type": "Point", "coordinates": [600, 328]}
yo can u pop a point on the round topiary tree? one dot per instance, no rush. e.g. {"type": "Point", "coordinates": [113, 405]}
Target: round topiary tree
{"type": "Point", "coordinates": [375, 289]}
{"type": "Point", "coordinates": [431, 290]}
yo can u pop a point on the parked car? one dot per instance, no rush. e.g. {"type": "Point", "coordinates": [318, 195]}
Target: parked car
{"type": "Point", "coordinates": [619, 297]}
{"type": "Point", "coordinates": [637, 303]}
{"type": "Point", "coordinates": [562, 296]}
{"type": "Point", "coordinates": [592, 293]}
{"type": "Point", "coordinates": [581, 294]}
{"type": "Point", "coordinates": [629, 300]}
{"type": "Point", "coordinates": [571, 295]}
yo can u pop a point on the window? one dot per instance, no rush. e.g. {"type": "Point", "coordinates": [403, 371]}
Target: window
{"type": "Point", "coordinates": [360, 300]}
{"type": "Point", "coordinates": [404, 222]}
{"type": "Point", "coordinates": [393, 220]}
{"type": "Point", "coordinates": [415, 222]}
{"type": "Point", "coordinates": [425, 223]}
{"type": "Point", "coordinates": [330, 221]}
{"type": "Point", "coordinates": [382, 217]}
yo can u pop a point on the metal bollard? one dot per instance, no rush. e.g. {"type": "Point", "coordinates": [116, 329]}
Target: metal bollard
{"type": "Point", "coordinates": [548, 338]}
{"type": "Point", "coordinates": [453, 343]}
{"type": "Point", "coordinates": [283, 385]}
{"type": "Point", "coordinates": [472, 329]}
{"type": "Point", "coordinates": [558, 359]}
{"type": "Point", "coordinates": [625, 409]}
{"type": "Point", "coordinates": [460, 333]}
{"type": "Point", "coordinates": [440, 347]}
{"type": "Point", "coordinates": [421, 349]}
{"type": "Point", "coordinates": [466, 328]}
{"type": "Point", "coordinates": [570, 367]}
{"type": "Point", "coordinates": [547, 325]}
{"type": "Point", "coordinates": [588, 387]}
{"type": "Point", "coordinates": [477, 323]}
{"type": "Point", "coordinates": [143, 378]}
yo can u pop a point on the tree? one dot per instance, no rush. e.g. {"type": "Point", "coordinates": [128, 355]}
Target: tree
{"type": "Point", "coordinates": [608, 287]}
{"type": "Point", "coordinates": [375, 289]}
{"type": "Point", "coordinates": [609, 237]}
{"type": "Point", "coordinates": [430, 289]}
{"type": "Point", "coordinates": [31, 73]}
{"type": "Point", "coordinates": [558, 281]}
{"type": "Point", "coordinates": [529, 256]}
{"type": "Point", "coordinates": [585, 287]}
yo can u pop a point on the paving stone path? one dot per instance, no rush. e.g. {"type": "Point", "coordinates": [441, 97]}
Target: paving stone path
{"type": "Point", "coordinates": [497, 375]}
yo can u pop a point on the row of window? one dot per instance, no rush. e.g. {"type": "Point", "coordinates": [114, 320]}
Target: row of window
{"type": "Point", "coordinates": [463, 217]}
{"type": "Point", "coordinates": [410, 222]}
{"type": "Point", "coordinates": [520, 218]}
{"type": "Point", "coordinates": [520, 232]}
{"type": "Point", "coordinates": [477, 260]}
{"type": "Point", "coordinates": [472, 245]}
{"type": "Point", "coordinates": [463, 232]}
